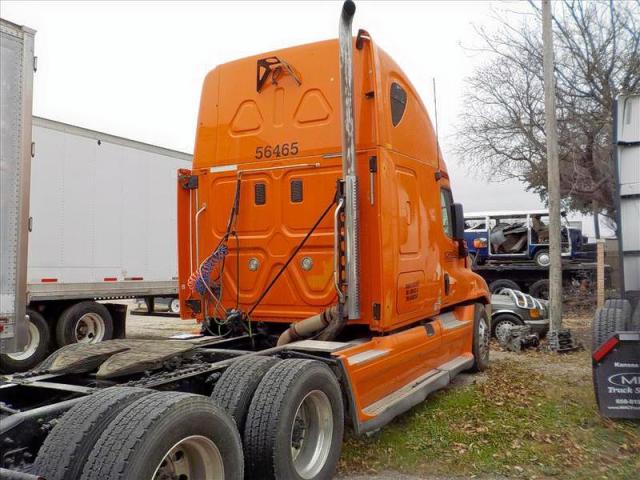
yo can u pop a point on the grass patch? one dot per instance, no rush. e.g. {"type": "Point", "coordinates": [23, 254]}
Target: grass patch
{"type": "Point", "coordinates": [517, 422]}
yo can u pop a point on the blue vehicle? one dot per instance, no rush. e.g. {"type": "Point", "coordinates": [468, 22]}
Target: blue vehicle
{"type": "Point", "coordinates": [514, 235]}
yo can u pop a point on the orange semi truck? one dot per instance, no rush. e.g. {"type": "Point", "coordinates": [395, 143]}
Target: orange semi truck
{"type": "Point", "coordinates": [322, 252]}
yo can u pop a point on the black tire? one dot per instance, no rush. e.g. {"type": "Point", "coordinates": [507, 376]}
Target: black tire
{"type": "Point", "coordinates": [269, 427]}
{"type": "Point", "coordinates": [137, 440]}
{"type": "Point", "coordinates": [605, 322]}
{"type": "Point", "coordinates": [235, 388]}
{"type": "Point", "coordinates": [33, 354]}
{"type": "Point", "coordinates": [68, 445]}
{"type": "Point", "coordinates": [481, 338]}
{"type": "Point", "coordinates": [634, 323]}
{"type": "Point", "coordinates": [502, 319]}
{"type": "Point", "coordinates": [540, 289]}
{"type": "Point", "coordinates": [542, 258]}
{"type": "Point", "coordinates": [620, 304]}
{"type": "Point", "coordinates": [68, 323]}
{"type": "Point", "coordinates": [501, 283]}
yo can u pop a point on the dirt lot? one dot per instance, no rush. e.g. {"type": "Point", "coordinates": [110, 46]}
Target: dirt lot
{"type": "Point", "coordinates": [531, 415]}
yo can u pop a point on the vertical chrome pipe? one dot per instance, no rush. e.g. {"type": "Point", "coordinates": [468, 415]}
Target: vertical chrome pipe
{"type": "Point", "coordinates": [349, 160]}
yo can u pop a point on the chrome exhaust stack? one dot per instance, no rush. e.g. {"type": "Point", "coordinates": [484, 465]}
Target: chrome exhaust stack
{"type": "Point", "coordinates": [349, 176]}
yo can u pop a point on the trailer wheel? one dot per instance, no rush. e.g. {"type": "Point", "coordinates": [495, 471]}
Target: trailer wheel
{"type": "Point", "coordinates": [168, 435]}
{"type": "Point", "coordinates": [502, 323]}
{"type": "Point", "coordinates": [540, 289]}
{"type": "Point", "coordinates": [501, 283]}
{"type": "Point", "coordinates": [36, 350]}
{"type": "Point", "coordinates": [236, 386]}
{"type": "Point", "coordinates": [68, 445]}
{"type": "Point", "coordinates": [481, 339]}
{"type": "Point", "coordinates": [542, 258]}
{"type": "Point", "coordinates": [605, 322]}
{"type": "Point", "coordinates": [295, 423]}
{"type": "Point", "coordinates": [84, 322]}
{"type": "Point", "coordinates": [174, 305]}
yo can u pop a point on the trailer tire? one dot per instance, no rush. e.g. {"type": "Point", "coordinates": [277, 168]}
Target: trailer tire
{"type": "Point", "coordinates": [293, 394]}
{"type": "Point", "coordinates": [84, 322]}
{"type": "Point", "coordinates": [68, 445]}
{"type": "Point", "coordinates": [235, 388]}
{"type": "Point", "coordinates": [620, 304]}
{"type": "Point", "coordinates": [151, 435]}
{"type": "Point", "coordinates": [501, 283]}
{"type": "Point", "coordinates": [542, 258]}
{"type": "Point", "coordinates": [481, 339]}
{"type": "Point", "coordinates": [540, 289]}
{"type": "Point", "coordinates": [36, 350]}
{"type": "Point", "coordinates": [605, 322]}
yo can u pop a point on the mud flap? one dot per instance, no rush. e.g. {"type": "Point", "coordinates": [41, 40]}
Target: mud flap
{"type": "Point", "coordinates": [616, 376]}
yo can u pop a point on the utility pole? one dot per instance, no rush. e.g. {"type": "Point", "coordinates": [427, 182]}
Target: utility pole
{"type": "Point", "coordinates": [553, 174]}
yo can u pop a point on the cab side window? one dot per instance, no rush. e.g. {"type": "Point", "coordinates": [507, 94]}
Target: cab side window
{"type": "Point", "coordinates": [398, 103]}
{"type": "Point", "coordinates": [446, 200]}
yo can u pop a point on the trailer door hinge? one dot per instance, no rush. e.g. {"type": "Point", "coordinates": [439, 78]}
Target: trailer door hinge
{"type": "Point", "coordinates": [33, 149]}
{"type": "Point", "coordinates": [30, 224]}
{"type": "Point", "coordinates": [376, 311]}
{"type": "Point", "coordinates": [35, 63]}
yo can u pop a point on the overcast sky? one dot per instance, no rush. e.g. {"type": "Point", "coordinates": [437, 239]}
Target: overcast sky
{"type": "Point", "coordinates": [135, 69]}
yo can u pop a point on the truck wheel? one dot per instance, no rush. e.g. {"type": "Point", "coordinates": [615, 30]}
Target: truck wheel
{"type": "Point", "coordinates": [620, 304]}
{"type": "Point", "coordinates": [236, 386]}
{"type": "Point", "coordinates": [502, 323]}
{"type": "Point", "coordinates": [605, 322]}
{"type": "Point", "coordinates": [67, 447]}
{"type": "Point", "coordinates": [540, 289]}
{"type": "Point", "coordinates": [168, 435]}
{"type": "Point", "coordinates": [481, 339]}
{"type": "Point", "coordinates": [295, 423]}
{"type": "Point", "coordinates": [501, 283]}
{"type": "Point", "coordinates": [36, 350]}
{"type": "Point", "coordinates": [84, 322]}
{"type": "Point", "coordinates": [542, 258]}
{"type": "Point", "coordinates": [174, 305]}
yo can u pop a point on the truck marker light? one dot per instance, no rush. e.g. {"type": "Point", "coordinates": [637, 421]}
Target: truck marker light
{"type": "Point", "coordinates": [605, 348]}
{"type": "Point", "coordinates": [133, 278]}
{"type": "Point", "coordinates": [110, 279]}
{"type": "Point", "coordinates": [48, 280]}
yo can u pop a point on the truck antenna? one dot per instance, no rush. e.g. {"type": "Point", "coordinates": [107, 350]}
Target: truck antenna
{"type": "Point", "coordinates": [435, 107]}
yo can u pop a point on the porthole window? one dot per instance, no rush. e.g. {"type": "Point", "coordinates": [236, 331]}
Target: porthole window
{"type": "Point", "coordinates": [398, 103]}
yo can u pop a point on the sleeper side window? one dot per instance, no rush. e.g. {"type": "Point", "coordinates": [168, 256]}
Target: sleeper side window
{"type": "Point", "coordinates": [446, 200]}
{"type": "Point", "coordinates": [398, 103]}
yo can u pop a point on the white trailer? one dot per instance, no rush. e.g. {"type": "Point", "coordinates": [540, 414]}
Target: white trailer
{"type": "Point", "coordinates": [17, 64]}
{"type": "Point", "coordinates": [627, 137]}
{"type": "Point", "coordinates": [102, 226]}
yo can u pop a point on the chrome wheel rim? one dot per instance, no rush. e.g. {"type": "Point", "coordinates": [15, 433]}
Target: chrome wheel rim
{"type": "Point", "coordinates": [544, 260]}
{"type": "Point", "coordinates": [311, 434]}
{"type": "Point", "coordinates": [192, 458]}
{"type": "Point", "coordinates": [174, 306]}
{"type": "Point", "coordinates": [89, 328]}
{"type": "Point", "coordinates": [32, 344]}
{"type": "Point", "coordinates": [483, 337]}
{"type": "Point", "coordinates": [502, 330]}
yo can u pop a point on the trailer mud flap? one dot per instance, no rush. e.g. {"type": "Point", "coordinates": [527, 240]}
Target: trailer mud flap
{"type": "Point", "coordinates": [616, 375]}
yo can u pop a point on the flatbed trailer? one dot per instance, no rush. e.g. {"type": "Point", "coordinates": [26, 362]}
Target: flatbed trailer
{"type": "Point", "coordinates": [323, 256]}
{"type": "Point", "coordinates": [534, 279]}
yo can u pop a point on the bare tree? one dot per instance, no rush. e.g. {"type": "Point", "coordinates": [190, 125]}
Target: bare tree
{"type": "Point", "coordinates": [502, 132]}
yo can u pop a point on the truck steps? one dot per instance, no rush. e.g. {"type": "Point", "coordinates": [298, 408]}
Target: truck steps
{"type": "Point", "coordinates": [415, 392]}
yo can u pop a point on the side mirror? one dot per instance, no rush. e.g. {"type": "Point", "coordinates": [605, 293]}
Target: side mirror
{"type": "Point", "coordinates": [457, 215]}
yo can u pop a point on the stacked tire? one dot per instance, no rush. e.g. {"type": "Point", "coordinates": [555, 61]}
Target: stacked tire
{"type": "Point", "coordinates": [615, 316]}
